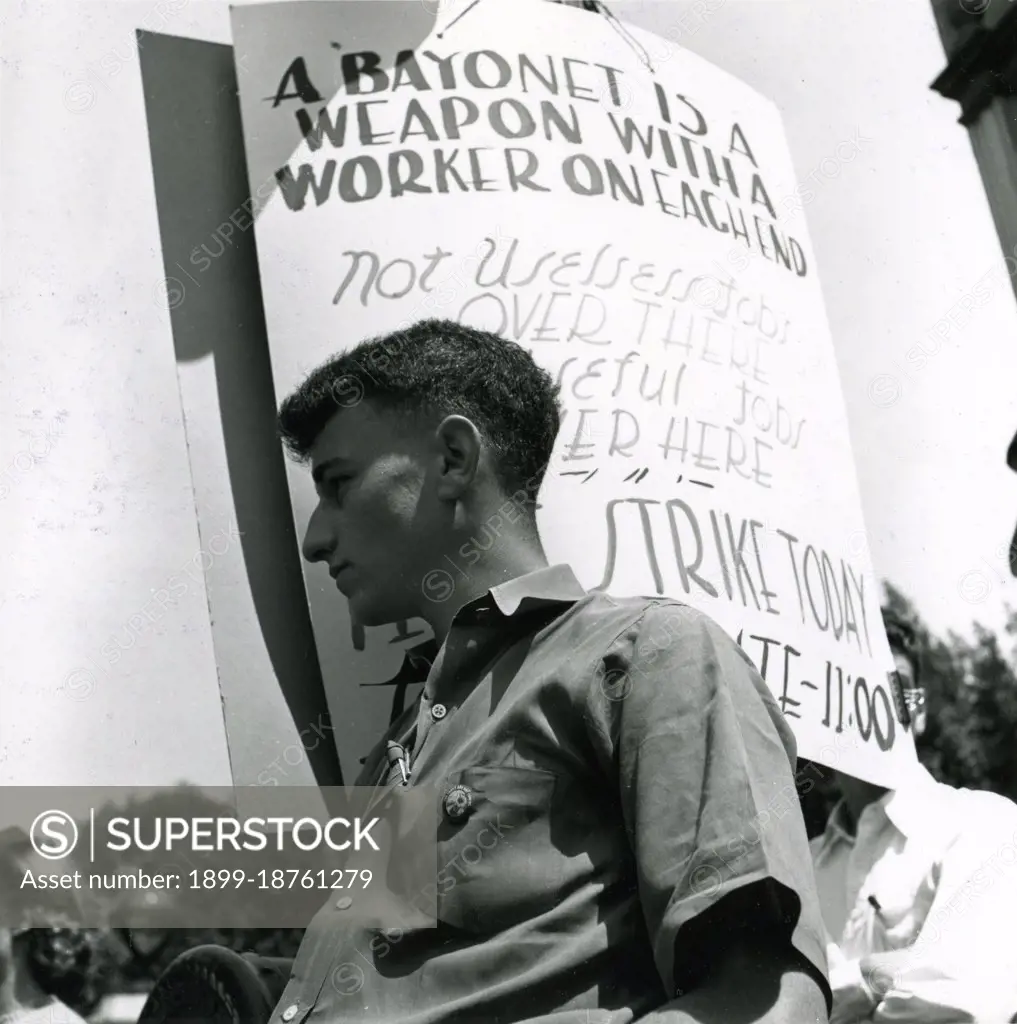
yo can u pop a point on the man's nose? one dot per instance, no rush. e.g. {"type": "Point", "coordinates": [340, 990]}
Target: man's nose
{"type": "Point", "coordinates": [319, 539]}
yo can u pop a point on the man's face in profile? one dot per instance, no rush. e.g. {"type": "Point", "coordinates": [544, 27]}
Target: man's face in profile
{"type": "Point", "coordinates": [902, 663]}
{"type": "Point", "coordinates": [377, 525]}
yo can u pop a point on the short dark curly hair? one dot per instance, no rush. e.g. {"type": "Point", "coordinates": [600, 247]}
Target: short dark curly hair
{"type": "Point", "coordinates": [433, 369]}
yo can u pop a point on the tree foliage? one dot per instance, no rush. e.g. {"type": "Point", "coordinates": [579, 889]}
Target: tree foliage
{"type": "Point", "coordinates": [971, 688]}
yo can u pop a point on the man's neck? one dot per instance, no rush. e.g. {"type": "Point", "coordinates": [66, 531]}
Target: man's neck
{"type": "Point", "coordinates": [507, 560]}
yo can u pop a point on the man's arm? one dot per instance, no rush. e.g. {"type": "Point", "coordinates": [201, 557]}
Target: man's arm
{"type": "Point", "coordinates": [853, 997]}
{"type": "Point", "coordinates": [703, 761]}
{"type": "Point", "coordinates": [754, 982]}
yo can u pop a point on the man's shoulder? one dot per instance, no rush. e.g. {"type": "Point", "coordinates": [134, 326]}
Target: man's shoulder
{"type": "Point", "coordinates": [952, 814]}
{"type": "Point", "coordinates": [653, 616]}
{"type": "Point", "coordinates": [665, 657]}
{"type": "Point", "coordinates": [660, 636]}
{"type": "Point", "coordinates": [981, 807]}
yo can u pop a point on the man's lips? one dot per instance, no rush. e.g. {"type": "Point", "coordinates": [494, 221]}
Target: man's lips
{"type": "Point", "coordinates": [336, 569]}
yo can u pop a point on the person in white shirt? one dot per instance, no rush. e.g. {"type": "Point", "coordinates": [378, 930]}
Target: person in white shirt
{"type": "Point", "coordinates": [918, 890]}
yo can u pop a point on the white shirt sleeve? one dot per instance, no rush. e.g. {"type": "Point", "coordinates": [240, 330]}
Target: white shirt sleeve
{"type": "Point", "coordinates": [963, 966]}
{"type": "Point", "coordinates": [853, 998]}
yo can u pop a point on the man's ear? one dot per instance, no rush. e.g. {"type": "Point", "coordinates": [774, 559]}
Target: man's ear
{"type": "Point", "coordinates": [459, 447]}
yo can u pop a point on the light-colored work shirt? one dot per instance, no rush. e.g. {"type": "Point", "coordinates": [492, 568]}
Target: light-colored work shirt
{"type": "Point", "coordinates": [53, 1012]}
{"type": "Point", "coordinates": [633, 777]}
{"type": "Point", "coordinates": [930, 874]}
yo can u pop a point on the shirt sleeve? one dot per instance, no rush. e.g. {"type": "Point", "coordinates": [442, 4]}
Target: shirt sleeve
{"type": "Point", "coordinates": [704, 763]}
{"type": "Point", "coordinates": [963, 965]}
{"type": "Point", "coordinates": [853, 997]}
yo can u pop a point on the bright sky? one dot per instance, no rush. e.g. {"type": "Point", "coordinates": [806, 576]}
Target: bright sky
{"type": "Point", "coordinates": [901, 232]}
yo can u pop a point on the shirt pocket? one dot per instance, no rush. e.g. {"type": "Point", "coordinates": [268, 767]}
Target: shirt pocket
{"type": "Point", "coordinates": [905, 898]}
{"type": "Point", "coordinates": [497, 864]}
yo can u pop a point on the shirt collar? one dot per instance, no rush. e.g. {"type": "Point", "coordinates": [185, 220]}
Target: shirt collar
{"type": "Point", "coordinates": [913, 806]}
{"type": "Point", "coordinates": [554, 584]}
{"type": "Point", "coordinates": [917, 803]}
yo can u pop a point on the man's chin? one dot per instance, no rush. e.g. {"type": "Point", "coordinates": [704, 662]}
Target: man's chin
{"type": "Point", "coordinates": [365, 612]}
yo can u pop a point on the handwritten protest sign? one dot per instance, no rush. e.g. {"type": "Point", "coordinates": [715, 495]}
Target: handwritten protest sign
{"type": "Point", "coordinates": [619, 207]}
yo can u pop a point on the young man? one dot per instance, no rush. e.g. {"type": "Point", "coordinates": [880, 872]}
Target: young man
{"type": "Point", "coordinates": [631, 750]}
{"type": "Point", "coordinates": [919, 890]}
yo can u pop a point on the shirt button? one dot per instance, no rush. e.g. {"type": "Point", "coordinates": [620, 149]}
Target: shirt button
{"type": "Point", "coordinates": [438, 712]}
{"type": "Point", "coordinates": [458, 801]}
{"type": "Point", "coordinates": [344, 903]}
{"type": "Point", "coordinates": [290, 1012]}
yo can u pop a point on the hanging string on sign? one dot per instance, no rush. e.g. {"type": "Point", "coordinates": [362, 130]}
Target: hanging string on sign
{"type": "Point", "coordinates": [626, 35]}
{"type": "Point", "coordinates": [594, 7]}
{"type": "Point", "coordinates": [458, 17]}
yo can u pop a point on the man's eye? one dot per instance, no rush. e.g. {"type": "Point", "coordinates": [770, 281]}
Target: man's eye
{"type": "Point", "coordinates": [335, 484]}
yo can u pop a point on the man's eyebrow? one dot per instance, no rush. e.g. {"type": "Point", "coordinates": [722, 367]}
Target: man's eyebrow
{"type": "Point", "coordinates": [320, 470]}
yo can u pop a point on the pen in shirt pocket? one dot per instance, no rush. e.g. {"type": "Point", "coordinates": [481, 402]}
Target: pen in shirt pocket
{"type": "Point", "coordinates": [399, 760]}
{"type": "Point", "coordinates": [874, 903]}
